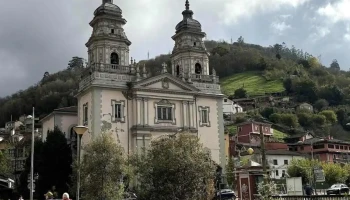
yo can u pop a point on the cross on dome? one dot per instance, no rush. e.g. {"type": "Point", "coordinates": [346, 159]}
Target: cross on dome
{"type": "Point", "coordinates": [187, 5]}
{"type": "Point", "coordinates": [107, 1]}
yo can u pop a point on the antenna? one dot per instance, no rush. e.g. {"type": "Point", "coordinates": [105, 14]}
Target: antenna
{"type": "Point", "coordinates": [148, 55]}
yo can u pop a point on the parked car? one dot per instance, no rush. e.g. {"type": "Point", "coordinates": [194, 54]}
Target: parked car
{"type": "Point", "coordinates": [338, 189]}
{"type": "Point", "coordinates": [226, 194]}
{"type": "Point", "coordinates": [129, 196]}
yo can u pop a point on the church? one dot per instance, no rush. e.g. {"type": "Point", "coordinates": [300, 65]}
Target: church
{"type": "Point", "coordinates": [119, 95]}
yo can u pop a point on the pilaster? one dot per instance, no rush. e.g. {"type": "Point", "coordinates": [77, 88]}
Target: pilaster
{"type": "Point", "coordinates": [138, 111]}
{"type": "Point", "coordinates": [145, 113]}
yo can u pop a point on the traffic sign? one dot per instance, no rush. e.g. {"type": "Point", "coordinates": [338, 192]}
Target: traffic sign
{"type": "Point", "coordinates": [33, 186]}
{"type": "Point", "coordinates": [319, 175]}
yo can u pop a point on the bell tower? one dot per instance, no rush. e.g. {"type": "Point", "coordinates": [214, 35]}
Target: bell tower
{"type": "Point", "coordinates": [189, 57]}
{"type": "Point", "coordinates": [108, 44]}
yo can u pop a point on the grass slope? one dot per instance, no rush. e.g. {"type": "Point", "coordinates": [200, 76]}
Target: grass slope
{"type": "Point", "coordinates": [253, 82]}
{"type": "Point", "coordinates": [279, 135]}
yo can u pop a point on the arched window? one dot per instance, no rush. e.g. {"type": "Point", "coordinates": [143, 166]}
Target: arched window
{"type": "Point", "coordinates": [114, 59]}
{"type": "Point", "coordinates": [198, 68]}
{"type": "Point", "coordinates": [177, 70]}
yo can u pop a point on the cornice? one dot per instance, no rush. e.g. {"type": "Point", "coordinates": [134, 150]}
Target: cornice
{"type": "Point", "coordinates": [106, 37]}
{"type": "Point", "coordinates": [173, 129]}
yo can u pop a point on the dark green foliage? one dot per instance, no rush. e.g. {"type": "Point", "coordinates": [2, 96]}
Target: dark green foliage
{"type": "Point", "coordinates": [240, 93]}
{"type": "Point", "coordinates": [321, 104]}
{"type": "Point", "coordinates": [52, 162]}
{"type": "Point", "coordinates": [175, 168]}
{"type": "Point", "coordinates": [267, 112]}
{"type": "Point", "coordinates": [57, 158]}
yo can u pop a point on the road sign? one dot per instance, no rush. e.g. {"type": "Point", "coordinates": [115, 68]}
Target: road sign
{"type": "Point", "coordinates": [319, 175]}
{"type": "Point", "coordinates": [33, 186]}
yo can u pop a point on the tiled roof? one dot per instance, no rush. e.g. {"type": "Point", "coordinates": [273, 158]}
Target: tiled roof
{"type": "Point", "coordinates": [321, 140]}
{"type": "Point", "coordinates": [72, 109]}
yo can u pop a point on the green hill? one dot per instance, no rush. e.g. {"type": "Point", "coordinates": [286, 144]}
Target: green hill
{"type": "Point", "coordinates": [252, 82]}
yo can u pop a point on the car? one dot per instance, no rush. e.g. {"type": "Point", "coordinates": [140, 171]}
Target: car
{"type": "Point", "coordinates": [129, 196]}
{"type": "Point", "coordinates": [226, 194]}
{"type": "Point", "coordinates": [338, 189]}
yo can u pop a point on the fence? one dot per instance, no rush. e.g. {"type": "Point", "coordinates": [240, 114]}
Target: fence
{"type": "Point", "coordinates": [315, 197]}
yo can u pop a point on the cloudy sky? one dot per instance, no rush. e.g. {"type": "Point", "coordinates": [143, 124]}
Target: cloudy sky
{"type": "Point", "coordinates": [44, 35]}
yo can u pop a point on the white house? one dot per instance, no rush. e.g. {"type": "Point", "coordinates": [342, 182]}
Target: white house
{"type": "Point", "coordinates": [229, 107]}
{"type": "Point", "coordinates": [279, 160]}
{"type": "Point", "coordinates": [117, 94]}
{"type": "Point", "coordinates": [63, 118]}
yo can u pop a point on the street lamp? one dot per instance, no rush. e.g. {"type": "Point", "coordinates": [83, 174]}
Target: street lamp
{"type": "Point", "coordinates": [79, 130]}
{"type": "Point", "coordinates": [32, 155]}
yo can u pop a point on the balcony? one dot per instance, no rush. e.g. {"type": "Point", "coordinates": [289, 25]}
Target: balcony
{"type": "Point", "coordinates": [111, 68]}
{"type": "Point", "coordinates": [205, 78]}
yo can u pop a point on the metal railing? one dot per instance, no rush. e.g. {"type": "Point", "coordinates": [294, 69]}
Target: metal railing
{"type": "Point", "coordinates": [315, 197]}
{"type": "Point", "coordinates": [112, 68]}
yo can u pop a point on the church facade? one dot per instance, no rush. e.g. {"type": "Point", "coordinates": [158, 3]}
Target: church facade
{"type": "Point", "coordinates": [117, 94]}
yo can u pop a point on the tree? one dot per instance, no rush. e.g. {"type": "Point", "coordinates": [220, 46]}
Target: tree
{"type": "Point", "coordinates": [302, 168]}
{"type": "Point", "coordinates": [321, 104]}
{"type": "Point", "coordinates": [231, 181]}
{"type": "Point", "coordinates": [240, 40]}
{"type": "Point", "coordinates": [5, 164]}
{"type": "Point", "coordinates": [102, 168]}
{"type": "Point", "coordinates": [331, 117]}
{"type": "Point", "coordinates": [334, 173]}
{"type": "Point", "coordinates": [335, 65]}
{"type": "Point", "coordinates": [176, 167]}
{"type": "Point", "coordinates": [55, 157]}
{"type": "Point", "coordinates": [240, 93]}
{"type": "Point", "coordinates": [76, 62]}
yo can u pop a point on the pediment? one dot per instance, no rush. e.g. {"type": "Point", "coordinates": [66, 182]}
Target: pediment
{"type": "Point", "coordinates": [165, 82]}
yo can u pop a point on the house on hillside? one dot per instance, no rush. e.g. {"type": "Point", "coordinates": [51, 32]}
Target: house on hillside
{"type": "Point", "coordinates": [248, 136]}
{"type": "Point", "coordinates": [305, 106]}
{"type": "Point", "coordinates": [230, 107]}
{"type": "Point", "coordinates": [278, 160]}
{"type": "Point", "coordinates": [324, 149]}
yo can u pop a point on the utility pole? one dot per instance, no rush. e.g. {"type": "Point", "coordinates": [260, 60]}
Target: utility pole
{"type": "Point", "coordinates": [263, 153]}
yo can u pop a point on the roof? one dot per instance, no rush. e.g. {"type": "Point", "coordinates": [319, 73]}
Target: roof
{"type": "Point", "coordinates": [274, 152]}
{"type": "Point", "coordinates": [188, 23]}
{"type": "Point", "coordinates": [283, 152]}
{"type": "Point", "coordinates": [299, 135]}
{"type": "Point", "coordinates": [320, 140]}
{"type": "Point", "coordinates": [108, 8]}
{"type": "Point", "coordinates": [73, 109]}
{"type": "Point", "coordinates": [252, 121]}
{"type": "Point", "coordinates": [66, 110]}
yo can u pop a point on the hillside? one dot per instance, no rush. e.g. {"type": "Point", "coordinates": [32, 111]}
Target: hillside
{"type": "Point", "coordinates": [251, 68]}
{"type": "Point", "coordinates": [253, 82]}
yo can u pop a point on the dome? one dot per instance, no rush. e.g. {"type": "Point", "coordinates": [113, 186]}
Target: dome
{"type": "Point", "coordinates": [188, 23]}
{"type": "Point", "coordinates": [108, 8]}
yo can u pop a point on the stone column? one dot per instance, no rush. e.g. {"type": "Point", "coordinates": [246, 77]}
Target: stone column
{"type": "Point", "coordinates": [184, 113]}
{"type": "Point", "coordinates": [145, 111]}
{"type": "Point", "coordinates": [138, 111]}
{"type": "Point", "coordinates": [190, 115]}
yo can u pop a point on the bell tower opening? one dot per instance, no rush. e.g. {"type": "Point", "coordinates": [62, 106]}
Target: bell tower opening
{"type": "Point", "coordinates": [198, 68]}
{"type": "Point", "coordinates": [177, 70]}
{"type": "Point", "coordinates": [114, 59]}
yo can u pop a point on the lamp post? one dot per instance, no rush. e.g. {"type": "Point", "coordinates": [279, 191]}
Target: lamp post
{"type": "Point", "coordinates": [32, 156]}
{"type": "Point", "coordinates": [79, 130]}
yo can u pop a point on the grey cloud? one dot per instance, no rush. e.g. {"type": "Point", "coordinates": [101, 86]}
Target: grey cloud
{"type": "Point", "coordinates": [43, 35]}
